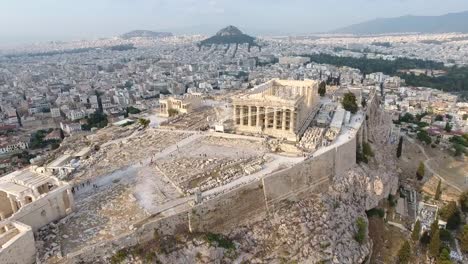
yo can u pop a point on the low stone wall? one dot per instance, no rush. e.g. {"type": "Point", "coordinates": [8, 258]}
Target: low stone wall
{"type": "Point", "coordinates": [235, 208]}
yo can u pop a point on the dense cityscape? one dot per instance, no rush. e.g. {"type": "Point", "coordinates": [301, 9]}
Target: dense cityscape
{"type": "Point", "coordinates": [158, 148]}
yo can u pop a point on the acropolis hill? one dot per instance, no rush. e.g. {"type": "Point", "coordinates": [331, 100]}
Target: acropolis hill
{"type": "Point", "coordinates": [243, 164]}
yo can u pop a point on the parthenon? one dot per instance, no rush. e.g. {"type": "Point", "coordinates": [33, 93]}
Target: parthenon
{"type": "Point", "coordinates": [278, 108]}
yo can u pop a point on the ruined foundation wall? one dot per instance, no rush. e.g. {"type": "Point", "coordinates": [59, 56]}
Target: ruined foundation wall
{"type": "Point", "coordinates": [20, 249]}
{"type": "Point", "coordinates": [41, 212]}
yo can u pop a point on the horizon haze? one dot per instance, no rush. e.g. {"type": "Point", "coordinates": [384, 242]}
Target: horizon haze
{"type": "Point", "coordinates": [54, 20]}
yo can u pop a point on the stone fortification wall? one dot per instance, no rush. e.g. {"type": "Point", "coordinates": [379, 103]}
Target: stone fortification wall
{"type": "Point", "coordinates": [235, 208]}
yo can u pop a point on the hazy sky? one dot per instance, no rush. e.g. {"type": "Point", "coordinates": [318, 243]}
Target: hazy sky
{"type": "Point", "coordinates": [39, 20]}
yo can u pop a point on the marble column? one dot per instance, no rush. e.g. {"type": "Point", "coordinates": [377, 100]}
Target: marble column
{"type": "Point", "coordinates": [249, 120]}
{"type": "Point", "coordinates": [234, 114]}
{"type": "Point", "coordinates": [283, 124]}
{"type": "Point", "coordinates": [241, 115]}
{"type": "Point", "coordinates": [258, 116]}
{"type": "Point", "coordinates": [275, 117]}
{"type": "Point", "coordinates": [293, 121]}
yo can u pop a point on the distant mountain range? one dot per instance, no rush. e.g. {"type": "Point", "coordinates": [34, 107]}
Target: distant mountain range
{"type": "Point", "coordinates": [229, 35]}
{"type": "Point", "coordinates": [145, 34]}
{"type": "Point", "coordinates": [453, 22]}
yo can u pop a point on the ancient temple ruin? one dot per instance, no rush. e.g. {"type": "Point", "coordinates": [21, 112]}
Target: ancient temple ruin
{"type": "Point", "coordinates": [278, 108]}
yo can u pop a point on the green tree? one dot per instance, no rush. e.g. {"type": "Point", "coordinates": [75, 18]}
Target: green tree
{"type": "Point", "coordinates": [438, 191]}
{"type": "Point", "coordinates": [322, 90]}
{"type": "Point", "coordinates": [132, 110]}
{"type": "Point", "coordinates": [144, 122]}
{"type": "Point", "coordinates": [464, 201]}
{"type": "Point", "coordinates": [367, 150]}
{"type": "Point", "coordinates": [451, 215]}
{"type": "Point", "coordinates": [446, 236]}
{"type": "Point", "coordinates": [421, 171]}
{"type": "Point", "coordinates": [400, 147]}
{"type": "Point", "coordinates": [444, 257]}
{"type": "Point", "coordinates": [448, 127]}
{"type": "Point", "coordinates": [416, 231]}
{"type": "Point", "coordinates": [434, 245]}
{"type": "Point", "coordinates": [173, 112]}
{"type": "Point", "coordinates": [464, 239]}
{"type": "Point", "coordinates": [349, 102]}
{"type": "Point", "coordinates": [424, 137]}
{"type": "Point", "coordinates": [439, 118]}
{"type": "Point", "coordinates": [404, 254]}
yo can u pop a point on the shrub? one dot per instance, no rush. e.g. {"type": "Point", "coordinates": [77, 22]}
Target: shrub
{"type": "Point", "coordinates": [361, 232]}
{"type": "Point", "coordinates": [173, 112]}
{"type": "Point", "coordinates": [376, 212]}
{"type": "Point", "coordinates": [367, 150]}
{"type": "Point", "coordinates": [119, 256]}
{"type": "Point", "coordinates": [219, 240]}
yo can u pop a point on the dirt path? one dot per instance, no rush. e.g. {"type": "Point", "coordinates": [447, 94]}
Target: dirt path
{"type": "Point", "coordinates": [429, 168]}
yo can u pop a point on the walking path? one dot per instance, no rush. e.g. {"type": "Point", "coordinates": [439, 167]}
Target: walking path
{"type": "Point", "coordinates": [428, 167]}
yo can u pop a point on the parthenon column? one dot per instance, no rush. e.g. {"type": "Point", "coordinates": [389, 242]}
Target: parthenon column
{"type": "Point", "coordinates": [283, 125]}
{"type": "Point", "coordinates": [293, 121]}
{"type": "Point", "coordinates": [234, 114]}
{"type": "Point", "coordinates": [249, 119]}
{"type": "Point", "coordinates": [275, 117]}
{"type": "Point", "coordinates": [258, 116]}
{"type": "Point", "coordinates": [241, 113]}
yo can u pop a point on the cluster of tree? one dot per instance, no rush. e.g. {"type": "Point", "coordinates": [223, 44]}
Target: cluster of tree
{"type": "Point", "coordinates": [455, 80]}
{"type": "Point", "coordinates": [436, 240]}
{"type": "Point", "coordinates": [460, 143]}
{"type": "Point", "coordinates": [382, 44]}
{"type": "Point", "coordinates": [368, 66]}
{"type": "Point", "coordinates": [132, 110]}
{"type": "Point", "coordinates": [97, 120]}
{"type": "Point", "coordinates": [122, 47]}
{"type": "Point", "coordinates": [349, 102]}
{"type": "Point", "coordinates": [38, 141]}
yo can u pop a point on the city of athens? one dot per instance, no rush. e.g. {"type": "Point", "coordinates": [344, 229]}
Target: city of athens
{"type": "Point", "coordinates": [244, 132]}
